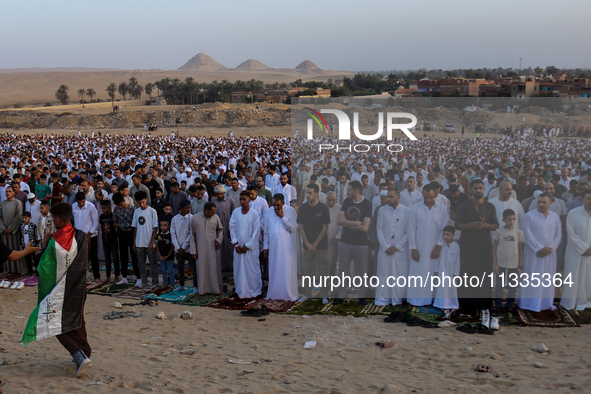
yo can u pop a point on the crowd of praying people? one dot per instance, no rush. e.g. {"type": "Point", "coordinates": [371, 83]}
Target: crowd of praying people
{"type": "Point", "coordinates": [265, 212]}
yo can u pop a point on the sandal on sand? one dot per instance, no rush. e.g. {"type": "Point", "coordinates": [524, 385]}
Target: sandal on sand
{"type": "Point", "coordinates": [483, 368]}
{"type": "Point", "coordinates": [467, 328]}
{"type": "Point", "coordinates": [482, 329]}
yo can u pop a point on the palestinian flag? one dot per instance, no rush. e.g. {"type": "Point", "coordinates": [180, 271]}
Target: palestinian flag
{"type": "Point", "coordinates": [62, 280]}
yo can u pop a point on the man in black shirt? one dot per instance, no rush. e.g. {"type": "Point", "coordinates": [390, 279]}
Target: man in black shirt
{"type": "Point", "coordinates": [314, 218]}
{"type": "Point", "coordinates": [355, 217]}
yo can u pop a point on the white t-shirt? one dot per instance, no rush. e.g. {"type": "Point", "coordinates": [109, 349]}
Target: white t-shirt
{"type": "Point", "coordinates": [145, 221]}
{"type": "Point", "coordinates": [508, 247]}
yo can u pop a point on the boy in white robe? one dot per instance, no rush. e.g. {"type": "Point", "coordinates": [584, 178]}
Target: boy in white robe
{"type": "Point", "coordinates": [446, 294]}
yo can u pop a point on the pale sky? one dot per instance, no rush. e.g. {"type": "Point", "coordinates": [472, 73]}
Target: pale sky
{"type": "Point", "coordinates": [334, 34]}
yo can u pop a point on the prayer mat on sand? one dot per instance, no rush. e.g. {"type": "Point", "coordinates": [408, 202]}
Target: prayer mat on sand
{"type": "Point", "coordinates": [274, 306]}
{"type": "Point", "coordinates": [94, 285]}
{"type": "Point", "coordinates": [171, 296]}
{"type": "Point", "coordinates": [235, 303]}
{"type": "Point", "coordinates": [582, 317]}
{"type": "Point", "coordinates": [347, 308]}
{"type": "Point", "coordinates": [559, 317]}
{"type": "Point", "coordinates": [111, 289]}
{"type": "Point", "coordinates": [31, 281]}
{"type": "Point", "coordinates": [201, 300]}
{"type": "Point", "coordinates": [134, 293]}
{"type": "Point", "coordinates": [11, 277]}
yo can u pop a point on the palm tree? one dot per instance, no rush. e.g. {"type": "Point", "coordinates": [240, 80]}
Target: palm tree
{"type": "Point", "coordinates": [149, 88]}
{"type": "Point", "coordinates": [62, 94]}
{"type": "Point", "coordinates": [131, 87]}
{"type": "Point", "coordinates": [137, 91]}
{"type": "Point", "coordinates": [122, 89]}
{"type": "Point", "coordinates": [111, 90]}
{"type": "Point", "coordinates": [81, 93]}
{"type": "Point", "coordinates": [90, 93]}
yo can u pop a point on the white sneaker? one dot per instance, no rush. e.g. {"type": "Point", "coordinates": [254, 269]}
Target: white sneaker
{"type": "Point", "coordinates": [20, 286]}
{"type": "Point", "coordinates": [486, 318]}
{"type": "Point", "coordinates": [179, 288]}
{"type": "Point", "coordinates": [494, 323]}
{"type": "Point", "coordinates": [14, 285]}
{"type": "Point", "coordinates": [6, 284]}
{"type": "Point", "coordinates": [324, 301]}
{"type": "Point", "coordinates": [195, 290]}
{"type": "Point", "coordinates": [139, 283]}
{"type": "Point", "coordinates": [2, 284]}
{"type": "Point", "coordinates": [122, 281]}
{"type": "Point", "coordinates": [302, 299]}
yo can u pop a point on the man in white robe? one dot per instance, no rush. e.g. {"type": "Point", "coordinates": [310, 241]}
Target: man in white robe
{"type": "Point", "coordinates": [11, 218]}
{"type": "Point", "coordinates": [206, 235]}
{"type": "Point", "coordinates": [578, 257]}
{"type": "Point", "coordinates": [542, 230]}
{"type": "Point", "coordinates": [505, 201]}
{"type": "Point", "coordinates": [244, 235]}
{"type": "Point", "coordinates": [393, 255]}
{"type": "Point", "coordinates": [410, 196]}
{"type": "Point", "coordinates": [280, 223]}
{"type": "Point", "coordinates": [425, 239]}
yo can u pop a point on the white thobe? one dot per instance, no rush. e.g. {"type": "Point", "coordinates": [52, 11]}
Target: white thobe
{"type": "Point", "coordinates": [539, 232]}
{"type": "Point", "coordinates": [446, 295]}
{"type": "Point", "coordinates": [425, 231]}
{"type": "Point", "coordinates": [513, 204]}
{"type": "Point", "coordinates": [244, 230]}
{"type": "Point", "coordinates": [441, 199]}
{"type": "Point", "coordinates": [283, 280]}
{"type": "Point", "coordinates": [34, 209]}
{"type": "Point", "coordinates": [391, 229]}
{"type": "Point", "coordinates": [289, 192]}
{"type": "Point", "coordinates": [408, 199]}
{"type": "Point", "coordinates": [578, 230]}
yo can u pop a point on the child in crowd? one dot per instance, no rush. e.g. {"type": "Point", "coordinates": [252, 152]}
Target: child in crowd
{"type": "Point", "coordinates": [167, 213]}
{"type": "Point", "coordinates": [508, 248]}
{"type": "Point", "coordinates": [165, 251]}
{"type": "Point", "coordinates": [29, 234]}
{"type": "Point", "coordinates": [446, 294]}
{"type": "Point", "coordinates": [110, 242]}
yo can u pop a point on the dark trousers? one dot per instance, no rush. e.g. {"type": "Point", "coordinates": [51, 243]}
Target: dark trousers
{"type": "Point", "coordinates": [32, 260]}
{"type": "Point", "coordinates": [264, 263]}
{"type": "Point", "coordinates": [76, 339]}
{"type": "Point", "coordinates": [499, 287]}
{"type": "Point", "coordinates": [94, 261]}
{"type": "Point", "coordinates": [180, 258]}
{"type": "Point", "coordinates": [126, 249]}
{"type": "Point", "coordinates": [111, 252]}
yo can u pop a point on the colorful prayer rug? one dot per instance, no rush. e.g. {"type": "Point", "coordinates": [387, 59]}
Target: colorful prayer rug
{"type": "Point", "coordinates": [171, 296]}
{"type": "Point", "coordinates": [235, 303]}
{"type": "Point", "coordinates": [201, 300]}
{"type": "Point", "coordinates": [134, 293]}
{"type": "Point", "coordinates": [94, 285]}
{"type": "Point", "coordinates": [31, 281]}
{"type": "Point", "coordinates": [111, 289]}
{"type": "Point", "coordinates": [559, 317]}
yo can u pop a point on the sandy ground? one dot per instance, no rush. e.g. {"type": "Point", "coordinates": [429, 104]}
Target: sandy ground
{"type": "Point", "coordinates": [137, 355]}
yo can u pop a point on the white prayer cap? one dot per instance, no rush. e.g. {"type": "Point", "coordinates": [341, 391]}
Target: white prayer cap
{"type": "Point", "coordinates": [30, 195]}
{"type": "Point", "coordinates": [537, 193]}
{"type": "Point", "coordinates": [384, 193]}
